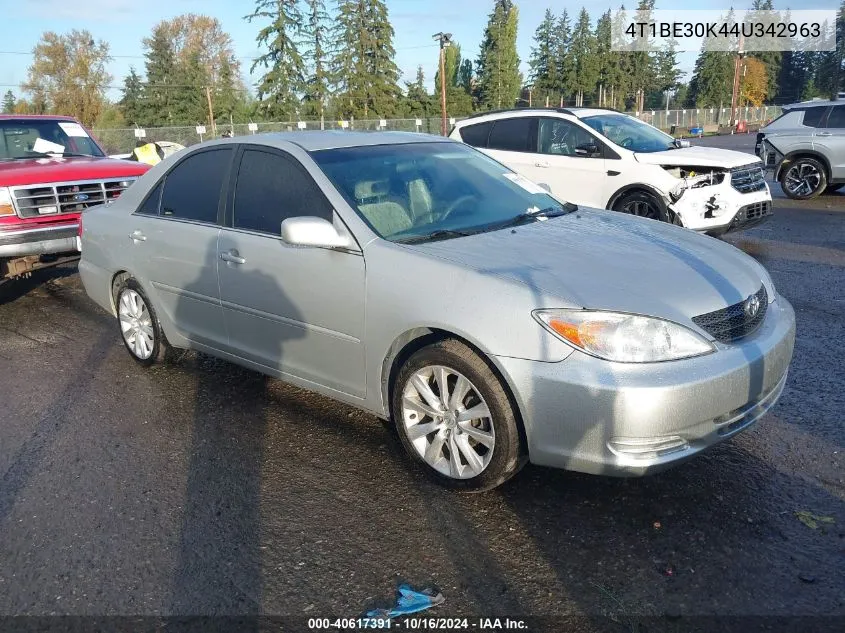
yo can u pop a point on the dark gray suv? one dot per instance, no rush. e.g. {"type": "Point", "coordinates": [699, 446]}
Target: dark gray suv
{"type": "Point", "coordinates": [806, 148]}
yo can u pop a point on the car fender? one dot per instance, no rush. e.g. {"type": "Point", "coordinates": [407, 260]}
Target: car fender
{"type": "Point", "coordinates": [788, 158]}
{"type": "Point", "coordinates": [661, 197]}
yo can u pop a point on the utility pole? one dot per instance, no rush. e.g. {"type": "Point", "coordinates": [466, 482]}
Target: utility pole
{"type": "Point", "coordinates": [210, 111]}
{"type": "Point", "coordinates": [735, 94]}
{"type": "Point", "coordinates": [445, 40]}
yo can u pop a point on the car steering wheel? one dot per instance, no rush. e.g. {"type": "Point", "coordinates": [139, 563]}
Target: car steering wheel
{"type": "Point", "coordinates": [456, 205]}
{"type": "Point", "coordinates": [627, 142]}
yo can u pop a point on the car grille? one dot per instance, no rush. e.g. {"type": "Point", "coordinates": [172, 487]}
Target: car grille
{"type": "Point", "coordinates": [757, 210]}
{"type": "Point", "coordinates": [734, 322]}
{"type": "Point", "coordinates": [748, 179]}
{"type": "Point", "coordinates": [68, 197]}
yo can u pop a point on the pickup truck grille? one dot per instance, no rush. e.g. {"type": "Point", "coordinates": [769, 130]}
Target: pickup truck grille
{"type": "Point", "coordinates": [33, 201]}
{"type": "Point", "coordinates": [748, 178]}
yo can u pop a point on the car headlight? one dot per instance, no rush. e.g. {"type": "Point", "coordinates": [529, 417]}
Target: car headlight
{"type": "Point", "coordinates": [6, 207]}
{"type": "Point", "coordinates": [623, 338]}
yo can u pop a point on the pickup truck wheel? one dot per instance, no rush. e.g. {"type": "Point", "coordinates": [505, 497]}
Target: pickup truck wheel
{"type": "Point", "coordinates": [641, 204]}
{"type": "Point", "coordinates": [803, 179]}
{"type": "Point", "coordinates": [139, 326]}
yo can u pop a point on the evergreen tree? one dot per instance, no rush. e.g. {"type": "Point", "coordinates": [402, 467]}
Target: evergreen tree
{"type": "Point", "coordinates": [667, 74]}
{"type": "Point", "coordinates": [499, 80]}
{"type": "Point", "coordinates": [544, 62]}
{"type": "Point", "coordinates": [278, 89]}
{"type": "Point", "coordinates": [452, 64]}
{"type": "Point", "coordinates": [622, 79]}
{"type": "Point", "coordinates": [189, 101]}
{"type": "Point", "coordinates": [132, 104]}
{"type": "Point", "coordinates": [583, 49]}
{"type": "Point", "coordinates": [608, 62]}
{"type": "Point", "coordinates": [712, 79]}
{"type": "Point", "coordinates": [418, 103]}
{"type": "Point", "coordinates": [226, 94]}
{"type": "Point", "coordinates": [364, 65]}
{"type": "Point", "coordinates": [158, 93]}
{"type": "Point", "coordinates": [641, 63]}
{"type": "Point", "coordinates": [465, 76]}
{"type": "Point", "coordinates": [9, 102]}
{"type": "Point", "coordinates": [317, 82]}
{"type": "Point", "coordinates": [565, 59]}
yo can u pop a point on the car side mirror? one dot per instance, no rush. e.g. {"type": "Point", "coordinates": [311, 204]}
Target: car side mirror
{"type": "Point", "coordinates": [312, 231]}
{"type": "Point", "coordinates": [681, 143]}
{"type": "Point", "coordinates": [587, 149]}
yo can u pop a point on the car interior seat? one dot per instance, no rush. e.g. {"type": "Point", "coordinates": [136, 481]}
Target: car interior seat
{"type": "Point", "coordinates": [385, 214]}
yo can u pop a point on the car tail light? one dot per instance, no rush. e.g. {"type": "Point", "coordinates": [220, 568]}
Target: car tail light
{"type": "Point", "coordinates": [6, 207]}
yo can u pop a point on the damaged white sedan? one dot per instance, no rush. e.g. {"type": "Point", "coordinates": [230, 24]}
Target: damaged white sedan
{"type": "Point", "coordinates": [602, 158]}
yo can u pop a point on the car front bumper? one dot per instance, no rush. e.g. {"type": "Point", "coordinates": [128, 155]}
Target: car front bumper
{"type": "Point", "coordinates": [734, 210]}
{"type": "Point", "coordinates": [38, 241]}
{"type": "Point", "coordinates": [622, 419]}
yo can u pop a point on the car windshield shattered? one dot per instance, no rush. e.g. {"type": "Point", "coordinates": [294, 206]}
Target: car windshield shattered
{"type": "Point", "coordinates": [427, 191]}
{"type": "Point", "coordinates": [40, 138]}
{"type": "Point", "coordinates": [630, 133]}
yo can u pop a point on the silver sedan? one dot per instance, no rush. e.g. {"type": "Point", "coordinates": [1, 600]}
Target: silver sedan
{"type": "Point", "coordinates": [417, 279]}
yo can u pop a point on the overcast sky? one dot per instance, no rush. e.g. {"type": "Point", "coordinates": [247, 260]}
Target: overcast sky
{"type": "Point", "coordinates": [123, 23]}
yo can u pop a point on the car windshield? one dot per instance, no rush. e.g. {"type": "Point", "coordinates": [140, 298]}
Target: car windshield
{"type": "Point", "coordinates": [630, 133]}
{"type": "Point", "coordinates": [417, 191]}
{"type": "Point", "coordinates": [37, 138]}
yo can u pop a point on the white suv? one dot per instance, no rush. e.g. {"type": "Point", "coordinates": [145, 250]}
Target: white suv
{"type": "Point", "coordinates": [606, 159]}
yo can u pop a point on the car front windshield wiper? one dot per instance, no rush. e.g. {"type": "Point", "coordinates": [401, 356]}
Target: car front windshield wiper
{"type": "Point", "coordinates": [540, 214]}
{"type": "Point", "coordinates": [31, 155]}
{"type": "Point", "coordinates": [440, 234]}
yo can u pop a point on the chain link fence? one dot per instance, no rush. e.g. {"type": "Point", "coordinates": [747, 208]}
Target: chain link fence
{"type": "Point", "coordinates": [121, 141]}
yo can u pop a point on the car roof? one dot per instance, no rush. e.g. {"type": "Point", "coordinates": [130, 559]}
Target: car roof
{"type": "Point", "coordinates": [315, 140]}
{"type": "Point", "coordinates": [577, 112]}
{"type": "Point", "coordinates": [813, 104]}
{"type": "Point", "coordinates": [53, 117]}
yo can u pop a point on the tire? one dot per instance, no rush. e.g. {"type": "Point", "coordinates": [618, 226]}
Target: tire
{"type": "Point", "coordinates": [803, 179]}
{"type": "Point", "coordinates": [834, 188]}
{"type": "Point", "coordinates": [488, 454]}
{"type": "Point", "coordinates": [642, 204]}
{"type": "Point", "coordinates": [138, 324]}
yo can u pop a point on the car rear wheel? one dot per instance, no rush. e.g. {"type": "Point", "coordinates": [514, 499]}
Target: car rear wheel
{"type": "Point", "coordinates": [804, 178]}
{"type": "Point", "coordinates": [139, 326]}
{"type": "Point", "coordinates": [454, 418]}
{"type": "Point", "coordinates": [641, 204]}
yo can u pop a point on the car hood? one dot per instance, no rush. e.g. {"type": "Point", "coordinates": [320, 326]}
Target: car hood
{"type": "Point", "coordinates": [44, 170]}
{"type": "Point", "coordinates": [697, 157]}
{"type": "Point", "coordinates": [608, 261]}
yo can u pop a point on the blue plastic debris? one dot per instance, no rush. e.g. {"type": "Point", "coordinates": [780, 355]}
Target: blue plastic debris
{"type": "Point", "coordinates": [408, 601]}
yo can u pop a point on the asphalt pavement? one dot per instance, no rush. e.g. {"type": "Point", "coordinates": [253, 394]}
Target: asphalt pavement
{"type": "Point", "coordinates": [199, 488]}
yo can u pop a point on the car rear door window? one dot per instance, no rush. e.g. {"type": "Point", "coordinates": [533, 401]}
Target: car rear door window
{"type": "Point", "coordinates": [514, 135]}
{"type": "Point", "coordinates": [476, 135]}
{"type": "Point", "coordinates": [835, 119]}
{"type": "Point", "coordinates": [272, 188]}
{"type": "Point", "coordinates": [192, 188]}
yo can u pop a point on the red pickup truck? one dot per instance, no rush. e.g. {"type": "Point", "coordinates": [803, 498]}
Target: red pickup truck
{"type": "Point", "coordinates": [51, 169]}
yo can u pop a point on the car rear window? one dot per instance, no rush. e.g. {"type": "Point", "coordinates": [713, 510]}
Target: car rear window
{"type": "Point", "coordinates": [476, 135]}
{"type": "Point", "coordinates": [512, 135]}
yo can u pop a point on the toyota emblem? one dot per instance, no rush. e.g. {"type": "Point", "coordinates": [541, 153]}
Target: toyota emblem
{"type": "Point", "coordinates": [751, 306]}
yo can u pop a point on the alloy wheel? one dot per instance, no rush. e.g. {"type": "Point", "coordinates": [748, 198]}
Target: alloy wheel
{"type": "Point", "coordinates": [802, 179]}
{"type": "Point", "coordinates": [136, 324]}
{"type": "Point", "coordinates": [448, 422]}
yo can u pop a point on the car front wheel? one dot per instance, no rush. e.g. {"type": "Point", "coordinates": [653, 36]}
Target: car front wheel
{"type": "Point", "coordinates": [454, 417]}
{"type": "Point", "coordinates": [803, 179]}
{"type": "Point", "coordinates": [641, 204]}
{"type": "Point", "coordinates": [139, 327]}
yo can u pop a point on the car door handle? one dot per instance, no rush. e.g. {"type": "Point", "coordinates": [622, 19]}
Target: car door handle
{"type": "Point", "coordinates": [824, 133]}
{"type": "Point", "coordinates": [232, 257]}
{"type": "Point", "coordinates": [542, 163]}
{"type": "Point", "coordinates": [137, 236]}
